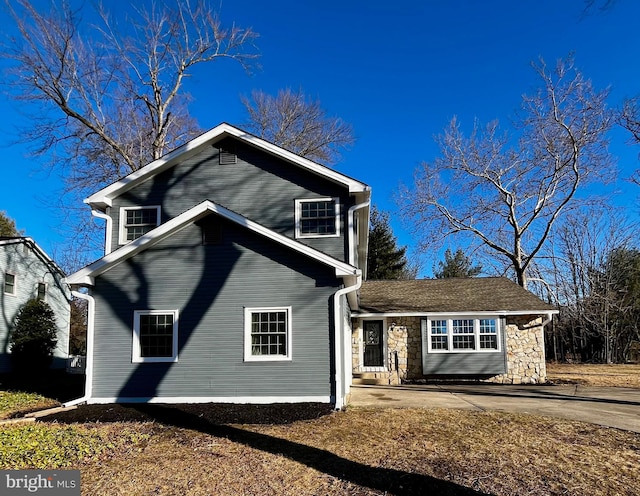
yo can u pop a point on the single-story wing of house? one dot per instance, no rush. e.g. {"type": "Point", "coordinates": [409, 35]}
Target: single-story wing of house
{"type": "Point", "coordinates": [488, 328]}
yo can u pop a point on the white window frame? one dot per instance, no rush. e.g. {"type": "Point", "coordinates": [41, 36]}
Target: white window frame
{"type": "Point", "coordinates": [15, 284]}
{"type": "Point", "coordinates": [122, 232]}
{"type": "Point", "coordinates": [426, 333]}
{"type": "Point", "coordinates": [46, 290]}
{"type": "Point", "coordinates": [298, 208]}
{"type": "Point", "coordinates": [136, 349]}
{"type": "Point", "coordinates": [248, 356]}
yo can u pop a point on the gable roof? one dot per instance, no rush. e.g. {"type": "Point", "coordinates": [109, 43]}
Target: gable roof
{"type": "Point", "coordinates": [86, 276]}
{"type": "Point", "coordinates": [39, 252]}
{"type": "Point", "coordinates": [453, 295]}
{"type": "Point", "coordinates": [104, 197]}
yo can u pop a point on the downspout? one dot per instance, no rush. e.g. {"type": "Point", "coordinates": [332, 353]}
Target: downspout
{"type": "Point", "coordinates": [91, 305]}
{"type": "Point", "coordinates": [340, 387]}
{"type": "Point", "coordinates": [108, 229]}
{"type": "Point", "coordinates": [337, 307]}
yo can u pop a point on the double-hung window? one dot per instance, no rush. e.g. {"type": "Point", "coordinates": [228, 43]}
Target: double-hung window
{"type": "Point", "coordinates": [463, 334]}
{"type": "Point", "coordinates": [318, 217]}
{"type": "Point", "coordinates": [455, 335]}
{"type": "Point", "coordinates": [41, 291]}
{"type": "Point", "coordinates": [267, 334]}
{"type": "Point", "coordinates": [137, 221]}
{"type": "Point", "coordinates": [155, 336]}
{"type": "Point", "coordinates": [9, 283]}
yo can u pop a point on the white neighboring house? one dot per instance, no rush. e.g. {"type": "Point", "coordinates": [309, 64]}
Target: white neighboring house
{"type": "Point", "coordinates": [26, 272]}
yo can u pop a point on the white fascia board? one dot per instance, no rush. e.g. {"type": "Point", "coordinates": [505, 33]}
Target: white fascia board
{"type": "Point", "coordinates": [453, 314]}
{"type": "Point", "coordinates": [86, 275]}
{"type": "Point", "coordinates": [103, 198]}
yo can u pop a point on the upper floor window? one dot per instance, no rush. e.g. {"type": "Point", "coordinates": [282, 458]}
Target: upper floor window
{"type": "Point", "coordinates": [318, 217]}
{"type": "Point", "coordinates": [461, 335]}
{"type": "Point", "coordinates": [155, 336]}
{"type": "Point", "coordinates": [9, 283]}
{"type": "Point", "coordinates": [41, 293]}
{"type": "Point", "coordinates": [137, 221]}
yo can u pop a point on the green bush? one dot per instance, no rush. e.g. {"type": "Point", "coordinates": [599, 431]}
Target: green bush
{"type": "Point", "coordinates": [34, 336]}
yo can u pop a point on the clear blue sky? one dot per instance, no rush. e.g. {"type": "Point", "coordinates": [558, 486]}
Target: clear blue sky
{"type": "Point", "coordinates": [397, 71]}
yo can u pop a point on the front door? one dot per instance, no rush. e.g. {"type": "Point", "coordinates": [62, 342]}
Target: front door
{"type": "Point", "coordinates": [373, 343]}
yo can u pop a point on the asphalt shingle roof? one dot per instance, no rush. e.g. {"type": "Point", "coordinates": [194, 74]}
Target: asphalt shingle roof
{"type": "Point", "coordinates": [481, 294]}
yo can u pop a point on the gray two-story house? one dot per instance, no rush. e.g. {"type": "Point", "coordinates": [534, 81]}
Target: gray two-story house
{"type": "Point", "coordinates": [231, 268]}
{"type": "Point", "coordinates": [27, 272]}
{"type": "Point", "coordinates": [233, 272]}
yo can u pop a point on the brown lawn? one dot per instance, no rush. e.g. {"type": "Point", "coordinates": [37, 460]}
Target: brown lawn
{"type": "Point", "coordinates": [370, 452]}
{"type": "Point", "coordinates": [595, 374]}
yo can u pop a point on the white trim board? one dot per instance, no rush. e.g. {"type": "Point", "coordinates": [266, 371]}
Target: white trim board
{"type": "Point", "coordinates": [445, 314]}
{"type": "Point", "coordinates": [243, 400]}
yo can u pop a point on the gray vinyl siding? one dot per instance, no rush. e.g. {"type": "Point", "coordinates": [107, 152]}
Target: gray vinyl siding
{"type": "Point", "coordinates": [469, 363]}
{"type": "Point", "coordinates": [259, 186]}
{"type": "Point", "coordinates": [29, 270]}
{"type": "Point", "coordinates": [210, 286]}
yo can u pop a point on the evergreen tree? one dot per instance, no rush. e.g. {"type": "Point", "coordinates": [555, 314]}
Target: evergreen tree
{"type": "Point", "coordinates": [386, 260]}
{"type": "Point", "coordinates": [34, 337]}
{"type": "Point", "coordinates": [8, 226]}
{"type": "Point", "coordinates": [456, 265]}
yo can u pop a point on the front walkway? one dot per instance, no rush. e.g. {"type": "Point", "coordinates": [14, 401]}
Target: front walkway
{"type": "Point", "coordinates": [610, 407]}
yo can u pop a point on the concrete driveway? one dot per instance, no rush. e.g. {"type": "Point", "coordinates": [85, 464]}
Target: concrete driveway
{"type": "Point", "coordinates": [611, 407]}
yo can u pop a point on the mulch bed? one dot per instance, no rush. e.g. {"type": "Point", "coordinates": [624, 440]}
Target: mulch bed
{"type": "Point", "coordinates": [188, 415]}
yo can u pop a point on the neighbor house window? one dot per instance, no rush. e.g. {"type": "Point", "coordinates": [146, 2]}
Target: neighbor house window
{"type": "Point", "coordinates": [9, 283]}
{"type": "Point", "coordinates": [267, 334]}
{"type": "Point", "coordinates": [137, 221]}
{"type": "Point", "coordinates": [447, 335]}
{"type": "Point", "coordinates": [317, 218]}
{"type": "Point", "coordinates": [41, 292]}
{"type": "Point", "coordinates": [155, 336]}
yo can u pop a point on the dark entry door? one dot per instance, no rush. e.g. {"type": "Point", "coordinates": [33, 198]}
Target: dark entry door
{"type": "Point", "coordinates": [373, 343]}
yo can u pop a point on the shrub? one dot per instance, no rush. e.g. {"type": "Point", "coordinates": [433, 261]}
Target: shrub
{"type": "Point", "coordinates": [34, 336]}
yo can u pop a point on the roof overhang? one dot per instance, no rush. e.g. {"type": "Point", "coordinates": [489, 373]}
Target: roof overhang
{"type": "Point", "coordinates": [87, 275]}
{"type": "Point", "coordinates": [104, 198]}
{"type": "Point", "coordinates": [505, 313]}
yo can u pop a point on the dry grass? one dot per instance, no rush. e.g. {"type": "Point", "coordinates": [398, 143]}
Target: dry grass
{"type": "Point", "coordinates": [367, 452]}
{"type": "Point", "coordinates": [595, 374]}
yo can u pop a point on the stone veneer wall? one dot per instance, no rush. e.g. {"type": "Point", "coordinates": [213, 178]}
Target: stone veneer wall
{"type": "Point", "coordinates": [525, 351]}
{"type": "Point", "coordinates": [524, 344]}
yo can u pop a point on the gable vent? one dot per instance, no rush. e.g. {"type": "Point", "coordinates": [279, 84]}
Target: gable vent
{"type": "Point", "coordinates": [227, 155]}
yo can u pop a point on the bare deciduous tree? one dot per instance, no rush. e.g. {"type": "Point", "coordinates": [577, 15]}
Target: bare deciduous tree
{"type": "Point", "coordinates": [299, 124]}
{"type": "Point", "coordinates": [575, 265]}
{"type": "Point", "coordinates": [104, 101]}
{"type": "Point", "coordinates": [507, 194]}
